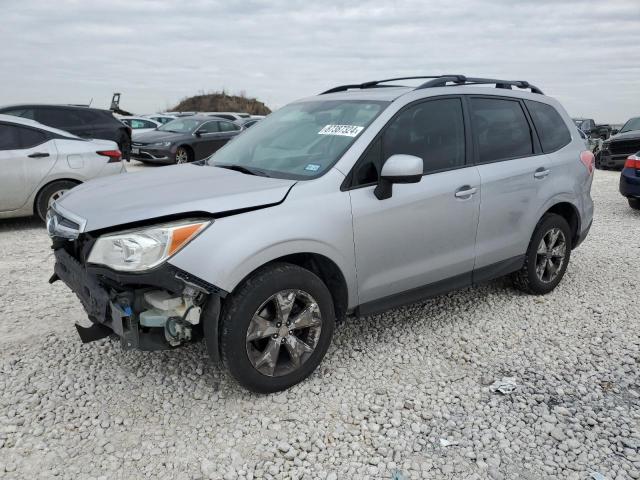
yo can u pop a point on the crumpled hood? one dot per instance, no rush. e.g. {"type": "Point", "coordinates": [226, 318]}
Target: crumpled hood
{"type": "Point", "coordinates": [132, 197]}
{"type": "Point", "coordinates": [157, 136]}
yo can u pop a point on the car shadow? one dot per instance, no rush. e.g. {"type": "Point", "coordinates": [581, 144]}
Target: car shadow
{"type": "Point", "coordinates": [21, 223]}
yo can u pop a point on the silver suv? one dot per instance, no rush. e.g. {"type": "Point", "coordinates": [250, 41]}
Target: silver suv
{"type": "Point", "coordinates": [354, 201]}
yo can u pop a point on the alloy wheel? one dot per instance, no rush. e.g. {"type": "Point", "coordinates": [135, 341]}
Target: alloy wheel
{"type": "Point", "coordinates": [182, 156]}
{"type": "Point", "coordinates": [55, 196]}
{"type": "Point", "coordinates": [550, 255]}
{"type": "Point", "coordinates": [283, 332]}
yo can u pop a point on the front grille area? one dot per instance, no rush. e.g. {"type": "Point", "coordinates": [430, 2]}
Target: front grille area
{"type": "Point", "coordinates": [622, 147]}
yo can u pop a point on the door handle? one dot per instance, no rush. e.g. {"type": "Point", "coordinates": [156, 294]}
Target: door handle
{"type": "Point", "coordinates": [38, 155]}
{"type": "Point", "coordinates": [465, 192]}
{"type": "Point", "coordinates": [541, 172]}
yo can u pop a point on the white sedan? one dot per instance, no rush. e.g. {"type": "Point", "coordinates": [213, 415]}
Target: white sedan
{"type": "Point", "coordinates": [39, 164]}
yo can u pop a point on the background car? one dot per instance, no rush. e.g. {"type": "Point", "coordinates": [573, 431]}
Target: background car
{"type": "Point", "coordinates": [247, 122]}
{"type": "Point", "coordinates": [184, 140]}
{"type": "Point", "coordinates": [161, 118]}
{"type": "Point", "coordinates": [81, 121]}
{"type": "Point", "coordinates": [39, 164]}
{"type": "Point", "coordinates": [140, 125]}
{"type": "Point", "coordinates": [630, 181]}
{"type": "Point", "coordinates": [617, 148]}
{"type": "Point", "coordinates": [233, 116]}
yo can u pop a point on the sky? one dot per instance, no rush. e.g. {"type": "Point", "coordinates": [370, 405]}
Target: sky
{"type": "Point", "coordinates": [584, 53]}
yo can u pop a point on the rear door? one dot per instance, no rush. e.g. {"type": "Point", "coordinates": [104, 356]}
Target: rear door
{"type": "Point", "coordinates": [515, 176]}
{"type": "Point", "coordinates": [423, 237]}
{"type": "Point", "coordinates": [26, 156]}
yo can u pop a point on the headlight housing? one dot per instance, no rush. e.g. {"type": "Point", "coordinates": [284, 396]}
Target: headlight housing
{"type": "Point", "coordinates": [144, 248]}
{"type": "Point", "coordinates": [160, 144]}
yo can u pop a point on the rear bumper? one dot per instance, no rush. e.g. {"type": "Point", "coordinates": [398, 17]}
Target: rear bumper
{"type": "Point", "coordinates": [630, 183]}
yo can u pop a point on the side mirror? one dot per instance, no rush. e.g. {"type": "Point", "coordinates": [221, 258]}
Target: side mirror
{"type": "Point", "coordinates": [615, 131]}
{"type": "Point", "coordinates": [198, 133]}
{"type": "Point", "coordinates": [398, 169]}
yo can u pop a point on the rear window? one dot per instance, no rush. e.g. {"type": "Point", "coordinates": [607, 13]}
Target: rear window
{"type": "Point", "coordinates": [552, 130]}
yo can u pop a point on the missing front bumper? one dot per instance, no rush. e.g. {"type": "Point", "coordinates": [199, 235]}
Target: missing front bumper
{"type": "Point", "coordinates": [117, 310]}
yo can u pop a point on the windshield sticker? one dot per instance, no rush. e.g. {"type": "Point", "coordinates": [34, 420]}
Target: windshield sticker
{"type": "Point", "coordinates": [341, 130]}
{"type": "Point", "coordinates": [312, 167]}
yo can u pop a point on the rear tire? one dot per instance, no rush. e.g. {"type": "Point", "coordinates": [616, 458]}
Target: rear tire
{"type": "Point", "coordinates": [260, 319]}
{"type": "Point", "coordinates": [634, 203]}
{"type": "Point", "coordinates": [49, 194]}
{"type": "Point", "coordinates": [547, 257]}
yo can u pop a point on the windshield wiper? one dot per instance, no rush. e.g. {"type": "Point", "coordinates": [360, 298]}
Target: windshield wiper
{"type": "Point", "coordinates": [243, 169]}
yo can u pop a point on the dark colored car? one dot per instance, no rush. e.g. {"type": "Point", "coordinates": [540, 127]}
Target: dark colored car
{"type": "Point", "coordinates": [617, 148]}
{"type": "Point", "coordinates": [630, 180]}
{"type": "Point", "coordinates": [184, 140]}
{"type": "Point", "coordinates": [82, 121]}
{"type": "Point", "coordinates": [247, 122]}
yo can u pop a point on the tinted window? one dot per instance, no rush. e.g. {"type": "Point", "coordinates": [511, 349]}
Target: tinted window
{"type": "Point", "coordinates": [21, 112]}
{"type": "Point", "coordinates": [432, 130]}
{"type": "Point", "coordinates": [500, 129]}
{"type": "Point", "coordinates": [58, 117]}
{"type": "Point", "coordinates": [552, 131]}
{"type": "Point", "coordinates": [16, 138]}
{"type": "Point", "coordinates": [228, 127]}
{"type": "Point", "coordinates": [209, 127]}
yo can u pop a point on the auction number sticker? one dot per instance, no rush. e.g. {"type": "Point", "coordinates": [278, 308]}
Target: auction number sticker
{"type": "Point", "coordinates": [341, 130]}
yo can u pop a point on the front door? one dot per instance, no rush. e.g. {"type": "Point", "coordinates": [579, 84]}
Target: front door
{"type": "Point", "coordinates": [420, 241]}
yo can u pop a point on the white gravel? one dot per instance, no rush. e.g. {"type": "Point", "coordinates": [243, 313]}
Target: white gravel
{"type": "Point", "coordinates": [403, 393]}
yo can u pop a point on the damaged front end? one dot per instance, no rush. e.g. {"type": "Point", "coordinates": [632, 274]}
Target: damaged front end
{"type": "Point", "coordinates": [156, 309]}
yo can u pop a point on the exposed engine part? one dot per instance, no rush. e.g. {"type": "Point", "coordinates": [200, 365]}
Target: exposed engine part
{"type": "Point", "coordinates": [177, 331]}
{"type": "Point", "coordinates": [176, 314]}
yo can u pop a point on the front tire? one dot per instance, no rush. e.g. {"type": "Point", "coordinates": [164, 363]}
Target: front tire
{"type": "Point", "coordinates": [634, 203]}
{"type": "Point", "coordinates": [276, 327]}
{"type": "Point", "coordinates": [49, 194]}
{"type": "Point", "coordinates": [183, 155]}
{"type": "Point", "coordinates": [547, 256]}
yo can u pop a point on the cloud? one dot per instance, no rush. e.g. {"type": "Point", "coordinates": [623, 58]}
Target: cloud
{"type": "Point", "coordinates": [156, 52]}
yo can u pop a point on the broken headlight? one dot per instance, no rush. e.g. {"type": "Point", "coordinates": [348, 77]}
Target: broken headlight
{"type": "Point", "coordinates": [144, 248]}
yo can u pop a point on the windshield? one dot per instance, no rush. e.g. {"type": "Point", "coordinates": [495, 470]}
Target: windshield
{"type": "Point", "coordinates": [180, 125]}
{"type": "Point", "coordinates": [299, 141]}
{"type": "Point", "coordinates": [633, 124]}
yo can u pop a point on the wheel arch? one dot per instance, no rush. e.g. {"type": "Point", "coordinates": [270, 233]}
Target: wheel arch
{"type": "Point", "coordinates": [189, 149]}
{"type": "Point", "coordinates": [571, 214]}
{"type": "Point", "coordinates": [36, 197]}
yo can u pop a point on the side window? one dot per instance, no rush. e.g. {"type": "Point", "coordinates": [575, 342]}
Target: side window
{"type": "Point", "coordinates": [22, 112]}
{"type": "Point", "coordinates": [551, 129]}
{"type": "Point", "coordinates": [432, 130]}
{"type": "Point", "coordinates": [228, 127]}
{"type": "Point", "coordinates": [58, 117]}
{"type": "Point", "coordinates": [501, 129]}
{"type": "Point", "coordinates": [17, 138]}
{"type": "Point", "coordinates": [9, 137]}
{"type": "Point", "coordinates": [209, 127]}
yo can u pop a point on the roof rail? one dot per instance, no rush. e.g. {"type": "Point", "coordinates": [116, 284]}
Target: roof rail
{"type": "Point", "coordinates": [373, 84]}
{"type": "Point", "coordinates": [439, 81]}
{"type": "Point", "coordinates": [463, 80]}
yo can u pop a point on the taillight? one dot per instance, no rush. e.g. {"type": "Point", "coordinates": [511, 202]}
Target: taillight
{"type": "Point", "coordinates": [588, 160]}
{"type": "Point", "coordinates": [114, 155]}
{"type": "Point", "coordinates": [633, 161]}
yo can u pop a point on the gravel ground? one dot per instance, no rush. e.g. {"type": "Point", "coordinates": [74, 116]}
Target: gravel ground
{"type": "Point", "coordinates": [404, 393]}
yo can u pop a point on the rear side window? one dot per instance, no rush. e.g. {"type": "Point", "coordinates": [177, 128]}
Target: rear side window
{"type": "Point", "coordinates": [62, 118]}
{"type": "Point", "coordinates": [501, 129]}
{"type": "Point", "coordinates": [17, 138]}
{"type": "Point", "coordinates": [22, 112]}
{"type": "Point", "coordinates": [552, 130]}
{"type": "Point", "coordinates": [228, 127]}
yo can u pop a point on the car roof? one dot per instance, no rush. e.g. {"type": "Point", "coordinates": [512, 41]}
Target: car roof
{"type": "Point", "coordinates": [32, 123]}
{"type": "Point", "coordinates": [32, 105]}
